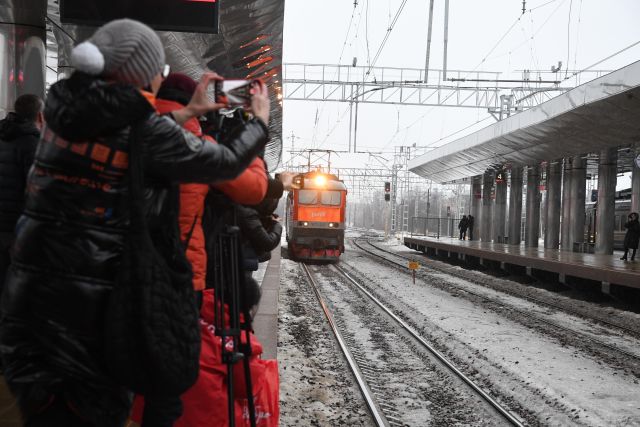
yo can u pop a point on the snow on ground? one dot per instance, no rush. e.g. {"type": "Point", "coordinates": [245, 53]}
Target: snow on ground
{"type": "Point", "coordinates": [420, 391]}
{"type": "Point", "coordinates": [566, 298]}
{"type": "Point", "coordinates": [316, 388]}
{"type": "Point", "coordinates": [560, 384]}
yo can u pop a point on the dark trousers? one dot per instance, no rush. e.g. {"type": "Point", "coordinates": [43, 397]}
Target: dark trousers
{"type": "Point", "coordinates": [463, 233]}
{"type": "Point", "coordinates": [470, 233]}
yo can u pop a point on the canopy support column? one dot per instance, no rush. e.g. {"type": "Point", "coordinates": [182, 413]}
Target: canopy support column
{"type": "Point", "coordinates": [532, 231]}
{"type": "Point", "coordinates": [578, 189]}
{"type": "Point", "coordinates": [515, 206]}
{"type": "Point", "coordinates": [554, 189]}
{"type": "Point", "coordinates": [605, 212]}
{"type": "Point", "coordinates": [486, 219]}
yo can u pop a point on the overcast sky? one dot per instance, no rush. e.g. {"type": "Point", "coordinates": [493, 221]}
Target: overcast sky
{"type": "Point", "coordinates": [581, 32]}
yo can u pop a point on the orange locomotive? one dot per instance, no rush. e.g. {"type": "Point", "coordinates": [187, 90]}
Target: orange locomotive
{"type": "Point", "coordinates": [315, 217]}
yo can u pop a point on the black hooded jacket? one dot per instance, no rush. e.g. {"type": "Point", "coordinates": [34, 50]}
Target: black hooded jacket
{"type": "Point", "coordinates": [70, 237]}
{"type": "Point", "coordinates": [18, 140]}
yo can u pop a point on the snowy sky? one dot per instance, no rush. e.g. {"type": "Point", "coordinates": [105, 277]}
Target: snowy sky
{"type": "Point", "coordinates": [577, 32]}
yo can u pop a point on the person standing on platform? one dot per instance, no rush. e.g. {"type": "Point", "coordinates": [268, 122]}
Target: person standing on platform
{"type": "Point", "coordinates": [470, 220]}
{"type": "Point", "coordinates": [19, 134]}
{"type": "Point", "coordinates": [632, 237]}
{"type": "Point", "coordinates": [462, 226]}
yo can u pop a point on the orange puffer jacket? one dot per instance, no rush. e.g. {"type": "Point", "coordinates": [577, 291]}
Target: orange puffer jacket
{"type": "Point", "coordinates": [249, 188]}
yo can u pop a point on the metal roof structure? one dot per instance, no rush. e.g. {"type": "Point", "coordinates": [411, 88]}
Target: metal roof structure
{"type": "Point", "coordinates": [600, 114]}
{"type": "Point", "coordinates": [248, 46]}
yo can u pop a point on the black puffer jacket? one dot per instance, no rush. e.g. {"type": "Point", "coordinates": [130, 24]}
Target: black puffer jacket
{"type": "Point", "coordinates": [70, 238]}
{"type": "Point", "coordinates": [260, 235]}
{"type": "Point", "coordinates": [18, 140]}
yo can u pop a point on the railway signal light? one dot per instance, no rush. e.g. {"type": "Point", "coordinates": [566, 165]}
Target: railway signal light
{"type": "Point", "coordinates": [387, 191]}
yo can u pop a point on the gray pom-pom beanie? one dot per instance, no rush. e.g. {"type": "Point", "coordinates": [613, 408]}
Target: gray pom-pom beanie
{"type": "Point", "coordinates": [124, 50]}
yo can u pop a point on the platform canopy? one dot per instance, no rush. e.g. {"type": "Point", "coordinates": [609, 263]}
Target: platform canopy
{"type": "Point", "coordinates": [602, 113]}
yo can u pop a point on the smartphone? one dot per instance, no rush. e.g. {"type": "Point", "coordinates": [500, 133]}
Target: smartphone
{"type": "Point", "coordinates": [234, 93]}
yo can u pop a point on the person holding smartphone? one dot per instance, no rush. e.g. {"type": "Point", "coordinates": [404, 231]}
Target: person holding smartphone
{"type": "Point", "coordinates": [70, 237]}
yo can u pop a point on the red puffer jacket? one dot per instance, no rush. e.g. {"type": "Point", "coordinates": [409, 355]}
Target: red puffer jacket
{"type": "Point", "coordinates": [249, 188]}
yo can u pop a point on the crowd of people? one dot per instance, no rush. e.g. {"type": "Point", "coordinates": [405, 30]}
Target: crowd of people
{"type": "Point", "coordinates": [63, 243]}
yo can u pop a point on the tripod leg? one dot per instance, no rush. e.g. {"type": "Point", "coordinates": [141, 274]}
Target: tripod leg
{"type": "Point", "coordinates": [230, 400]}
{"type": "Point", "coordinates": [247, 370]}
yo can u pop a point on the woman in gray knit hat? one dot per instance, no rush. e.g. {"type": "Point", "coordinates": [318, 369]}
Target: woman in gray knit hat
{"type": "Point", "coordinates": [70, 237]}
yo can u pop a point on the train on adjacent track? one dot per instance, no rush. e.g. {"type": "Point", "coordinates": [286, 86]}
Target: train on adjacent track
{"type": "Point", "coordinates": [622, 210]}
{"type": "Point", "coordinates": [315, 217]}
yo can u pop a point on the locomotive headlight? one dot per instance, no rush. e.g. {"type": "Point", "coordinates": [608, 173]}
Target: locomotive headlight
{"type": "Point", "coordinates": [305, 224]}
{"type": "Point", "coordinates": [331, 224]}
{"type": "Point", "coordinates": [320, 180]}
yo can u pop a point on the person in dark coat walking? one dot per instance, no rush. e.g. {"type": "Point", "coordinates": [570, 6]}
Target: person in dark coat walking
{"type": "Point", "coordinates": [632, 236]}
{"type": "Point", "coordinates": [19, 134]}
{"type": "Point", "coordinates": [70, 238]}
{"type": "Point", "coordinates": [470, 220]}
{"type": "Point", "coordinates": [462, 226]}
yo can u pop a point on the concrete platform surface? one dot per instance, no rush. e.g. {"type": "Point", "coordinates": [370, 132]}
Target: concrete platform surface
{"type": "Point", "coordinates": [603, 268]}
{"type": "Point", "coordinates": [265, 323]}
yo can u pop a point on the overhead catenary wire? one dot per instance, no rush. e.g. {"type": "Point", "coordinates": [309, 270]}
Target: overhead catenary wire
{"type": "Point", "coordinates": [575, 55]}
{"type": "Point", "coordinates": [432, 144]}
{"type": "Point", "coordinates": [386, 36]}
{"type": "Point", "coordinates": [344, 45]}
{"type": "Point", "coordinates": [568, 39]}
{"type": "Point", "coordinates": [534, 33]}
{"type": "Point", "coordinates": [603, 60]}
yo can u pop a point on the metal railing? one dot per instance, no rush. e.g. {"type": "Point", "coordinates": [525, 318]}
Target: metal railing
{"type": "Point", "coordinates": [434, 226]}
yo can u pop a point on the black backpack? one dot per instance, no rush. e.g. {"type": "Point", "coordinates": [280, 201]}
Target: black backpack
{"type": "Point", "coordinates": [152, 322]}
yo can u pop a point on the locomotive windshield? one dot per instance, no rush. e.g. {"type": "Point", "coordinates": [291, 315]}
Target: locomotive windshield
{"type": "Point", "coordinates": [331, 198]}
{"type": "Point", "coordinates": [308, 197]}
{"type": "Point", "coordinates": [314, 197]}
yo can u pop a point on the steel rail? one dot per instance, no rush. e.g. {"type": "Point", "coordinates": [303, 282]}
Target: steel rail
{"type": "Point", "coordinates": [512, 419]}
{"type": "Point", "coordinates": [519, 311]}
{"type": "Point", "coordinates": [622, 328]}
{"type": "Point", "coordinates": [377, 415]}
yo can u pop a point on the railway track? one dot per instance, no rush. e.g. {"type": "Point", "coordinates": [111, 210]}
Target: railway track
{"type": "Point", "coordinates": [382, 413]}
{"type": "Point", "coordinates": [622, 328]}
{"type": "Point", "coordinates": [402, 267]}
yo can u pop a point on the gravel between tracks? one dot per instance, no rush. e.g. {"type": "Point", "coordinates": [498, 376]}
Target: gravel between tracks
{"type": "Point", "coordinates": [422, 392]}
{"type": "Point", "coordinates": [316, 388]}
{"type": "Point", "coordinates": [559, 384]}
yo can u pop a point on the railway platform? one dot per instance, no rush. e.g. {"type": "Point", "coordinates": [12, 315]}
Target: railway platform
{"type": "Point", "coordinates": [564, 266]}
{"type": "Point", "coordinates": [266, 320]}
